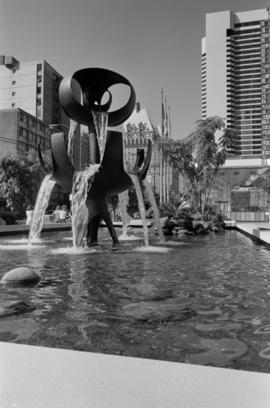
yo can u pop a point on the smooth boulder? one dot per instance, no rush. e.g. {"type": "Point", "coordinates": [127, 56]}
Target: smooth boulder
{"type": "Point", "coordinates": [21, 275]}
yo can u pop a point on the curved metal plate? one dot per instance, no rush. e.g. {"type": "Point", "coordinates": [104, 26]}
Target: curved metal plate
{"type": "Point", "coordinates": [93, 83]}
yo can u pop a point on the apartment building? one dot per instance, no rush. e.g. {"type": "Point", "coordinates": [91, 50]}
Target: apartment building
{"type": "Point", "coordinates": [21, 132]}
{"type": "Point", "coordinates": [31, 86]}
{"type": "Point", "coordinates": [236, 77]}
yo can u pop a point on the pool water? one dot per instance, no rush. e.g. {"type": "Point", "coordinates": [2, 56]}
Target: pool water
{"type": "Point", "coordinates": [205, 300]}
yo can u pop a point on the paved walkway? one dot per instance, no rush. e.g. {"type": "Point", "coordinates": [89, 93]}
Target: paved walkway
{"type": "Point", "coordinates": [38, 377]}
{"type": "Point", "coordinates": [258, 230]}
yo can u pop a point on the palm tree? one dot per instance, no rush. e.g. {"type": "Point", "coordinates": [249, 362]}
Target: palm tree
{"type": "Point", "coordinates": [199, 157]}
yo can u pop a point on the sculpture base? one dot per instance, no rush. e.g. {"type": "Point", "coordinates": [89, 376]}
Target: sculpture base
{"type": "Point", "coordinates": [98, 210]}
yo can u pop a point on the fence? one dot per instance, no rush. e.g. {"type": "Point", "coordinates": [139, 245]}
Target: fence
{"type": "Point", "coordinates": [247, 216]}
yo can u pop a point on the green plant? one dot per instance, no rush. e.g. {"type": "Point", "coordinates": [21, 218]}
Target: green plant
{"type": "Point", "coordinates": [199, 157]}
{"type": "Point", "coordinates": [20, 179]}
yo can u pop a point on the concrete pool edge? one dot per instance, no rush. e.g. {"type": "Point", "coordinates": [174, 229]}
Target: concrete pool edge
{"type": "Point", "coordinates": [22, 228]}
{"type": "Point", "coordinates": [258, 231]}
{"type": "Point", "coordinates": [39, 377]}
{"type": "Point", "coordinates": [15, 229]}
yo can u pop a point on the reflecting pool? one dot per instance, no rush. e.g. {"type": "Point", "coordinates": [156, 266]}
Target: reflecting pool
{"type": "Point", "coordinates": [203, 300]}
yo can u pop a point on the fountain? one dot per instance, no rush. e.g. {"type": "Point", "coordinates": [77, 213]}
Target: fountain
{"type": "Point", "coordinates": [42, 201]}
{"type": "Point", "coordinates": [101, 121]}
{"type": "Point", "coordinates": [123, 202]}
{"type": "Point", "coordinates": [136, 183]}
{"type": "Point", "coordinates": [105, 174]}
{"type": "Point", "coordinates": [115, 302]}
{"type": "Point", "coordinates": [154, 206]}
{"type": "Point", "coordinates": [81, 183]}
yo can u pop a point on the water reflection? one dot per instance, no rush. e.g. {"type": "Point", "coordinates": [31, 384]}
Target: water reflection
{"type": "Point", "coordinates": [205, 302]}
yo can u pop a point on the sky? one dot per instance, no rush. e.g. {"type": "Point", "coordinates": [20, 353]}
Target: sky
{"type": "Point", "coordinates": [156, 44]}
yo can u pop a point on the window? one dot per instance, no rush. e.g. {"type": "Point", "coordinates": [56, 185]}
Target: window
{"type": "Point", "coordinates": [38, 90]}
{"type": "Point", "coordinates": [13, 93]}
{"type": "Point", "coordinates": [13, 105]}
{"type": "Point", "coordinates": [13, 82]}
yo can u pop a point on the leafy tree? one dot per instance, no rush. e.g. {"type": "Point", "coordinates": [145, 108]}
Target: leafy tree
{"type": "Point", "coordinates": [199, 157]}
{"type": "Point", "coordinates": [20, 179]}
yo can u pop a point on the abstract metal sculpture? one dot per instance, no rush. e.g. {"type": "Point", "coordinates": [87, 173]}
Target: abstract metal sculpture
{"type": "Point", "coordinates": [91, 84]}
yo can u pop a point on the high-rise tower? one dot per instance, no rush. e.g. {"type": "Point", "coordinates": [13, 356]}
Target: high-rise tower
{"type": "Point", "coordinates": [236, 77]}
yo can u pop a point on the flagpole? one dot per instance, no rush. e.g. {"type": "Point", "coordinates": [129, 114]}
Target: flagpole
{"type": "Point", "coordinates": [161, 153]}
{"type": "Point", "coordinates": [166, 184]}
{"type": "Point", "coordinates": [170, 136]}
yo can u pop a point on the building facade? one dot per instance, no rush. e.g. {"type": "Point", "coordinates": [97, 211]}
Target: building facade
{"type": "Point", "coordinates": [236, 77]}
{"type": "Point", "coordinates": [137, 130]}
{"type": "Point", "coordinates": [29, 103]}
{"type": "Point", "coordinates": [32, 86]}
{"type": "Point", "coordinates": [21, 132]}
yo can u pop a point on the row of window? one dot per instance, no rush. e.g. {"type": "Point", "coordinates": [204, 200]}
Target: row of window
{"type": "Point", "coordinates": [242, 65]}
{"type": "Point", "coordinates": [240, 111]}
{"type": "Point", "coordinates": [249, 23]}
{"type": "Point", "coordinates": [253, 40]}
{"type": "Point", "coordinates": [30, 122]}
{"type": "Point", "coordinates": [248, 31]}
{"type": "Point", "coordinates": [241, 83]}
{"type": "Point", "coordinates": [244, 105]}
{"type": "Point", "coordinates": [239, 77]}
{"type": "Point", "coordinates": [244, 91]}
{"type": "Point", "coordinates": [239, 125]}
{"type": "Point", "coordinates": [250, 56]}
{"type": "Point", "coordinates": [243, 88]}
{"type": "Point", "coordinates": [242, 115]}
{"type": "Point", "coordinates": [241, 48]}
{"type": "Point", "coordinates": [242, 74]}
{"type": "Point", "coordinates": [245, 122]}
{"type": "Point", "coordinates": [32, 137]}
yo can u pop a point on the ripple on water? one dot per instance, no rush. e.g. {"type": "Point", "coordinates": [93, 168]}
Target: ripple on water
{"type": "Point", "coordinates": [72, 251]}
{"type": "Point", "coordinates": [174, 243]}
{"type": "Point", "coordinates": [150, 248]}
{"type": "Point", "coordinates": [125, 237]}
{"type": "Point", "coordinates": [22, 241]}
{"type": "Point", "coordinates": [219, 352]}
{"type": "Point", "coordinates": [15, 308]}
{"type": "Point", "coordinates": [21, 247]}
{"type": "Point", "coordinates": [265, 353]}
{"type": "Point", "coordinates": [22, 329]}
{"type": "Point", "coordinates": [263, 330]}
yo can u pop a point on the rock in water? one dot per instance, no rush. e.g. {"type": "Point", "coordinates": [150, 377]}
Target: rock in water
{"type": "Point", "coordinates": [21, 275]}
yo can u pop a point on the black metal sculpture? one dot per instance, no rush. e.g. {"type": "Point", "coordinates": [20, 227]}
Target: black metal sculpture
{"type": "Point", "coordinates": [111, 178]}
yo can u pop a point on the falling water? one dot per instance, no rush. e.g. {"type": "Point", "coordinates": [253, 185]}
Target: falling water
{"type": "Point", "coordinates": [139, 194]}
{"type": "Point", "coordinates": [42, 202]}
{"type": "Point", "coordinates": [152, 200]}
{"type": "Point", "coordinates": [71, 133]}
{"type": "Point", "coordinates": [82, 180]}
{"type": "Point", "coordinates": [100, 122]}
{"type": "Point", "coordinates": [123, 202]}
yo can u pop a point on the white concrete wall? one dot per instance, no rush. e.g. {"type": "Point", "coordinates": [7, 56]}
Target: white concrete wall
{"type": "Point", "coordinates": [5, 85]}
{"type": "Point", "coordinates": [24, 88]}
